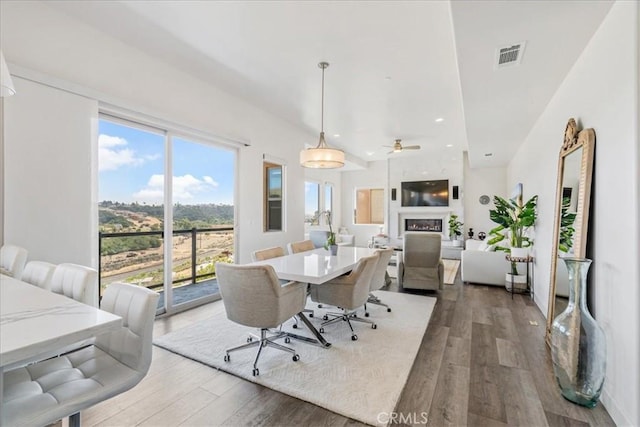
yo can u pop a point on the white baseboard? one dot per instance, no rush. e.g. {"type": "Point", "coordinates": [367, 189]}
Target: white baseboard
{"type": "Point", "coordinates": [616, 414]}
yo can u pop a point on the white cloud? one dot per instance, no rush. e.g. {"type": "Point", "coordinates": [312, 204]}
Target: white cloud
{"type": "Point", "coordinates": [112, 154]}
{"type": "Point", "coordinates": [185, 188]}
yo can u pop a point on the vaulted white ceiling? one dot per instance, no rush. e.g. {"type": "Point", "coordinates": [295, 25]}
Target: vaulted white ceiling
{"type": "Point", "coordinates": [395, 68]}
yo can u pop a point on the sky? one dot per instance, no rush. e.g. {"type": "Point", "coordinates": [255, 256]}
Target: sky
{"type": "Point", "coordinates": [131, 168]}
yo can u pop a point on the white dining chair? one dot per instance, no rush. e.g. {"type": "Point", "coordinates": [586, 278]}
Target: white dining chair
{"type": "Point", "coordinates": [253, 296]}
{"type": "Point", "coordinates": [45, 392]}
{"type": "Point", "coordinates": [262, 254]}
{"type": "Point", "coordinates": [38, 273]}
{"type": "Point", "coordinates": [12, 260]}
{"type": "Point", "coordinates": [379, 279]}
{"type": "Point", "coordinates": [77, 282]}
{"type": "Point", "coordinates": [348, 292]}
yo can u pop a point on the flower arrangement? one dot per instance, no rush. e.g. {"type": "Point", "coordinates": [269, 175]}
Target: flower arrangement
{"type": "Point", "coordinates": [331, 237]}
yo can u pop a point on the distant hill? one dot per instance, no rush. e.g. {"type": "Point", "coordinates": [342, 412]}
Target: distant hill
{"type": "Point", "coordinates": [126, 215]}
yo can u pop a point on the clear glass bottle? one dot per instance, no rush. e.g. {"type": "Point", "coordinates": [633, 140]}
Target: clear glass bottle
{"type": "Point", "coordinates": [578, 344]}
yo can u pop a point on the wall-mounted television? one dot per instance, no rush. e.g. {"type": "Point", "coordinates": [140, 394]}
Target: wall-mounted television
{"type": "Point", "coordinates": [425, 193]}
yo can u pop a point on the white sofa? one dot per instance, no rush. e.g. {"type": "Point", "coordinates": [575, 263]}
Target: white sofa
{"type": "Point", "coordinates": [481, 266]}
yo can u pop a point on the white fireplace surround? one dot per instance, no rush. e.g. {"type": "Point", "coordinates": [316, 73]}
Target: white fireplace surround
{"type": "Point", "coordinates": [444, 216]}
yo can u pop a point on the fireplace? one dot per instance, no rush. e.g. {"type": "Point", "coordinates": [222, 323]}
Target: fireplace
{"type": "Point", "coordinates": [423, 224]}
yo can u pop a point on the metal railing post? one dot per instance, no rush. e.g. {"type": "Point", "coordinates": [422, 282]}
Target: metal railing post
{"type": "Point", "coordinates": [193, 254]}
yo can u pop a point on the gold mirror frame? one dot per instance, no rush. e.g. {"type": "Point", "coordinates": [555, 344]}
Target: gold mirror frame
{"type": "Point", "coordinates": [573, 141]}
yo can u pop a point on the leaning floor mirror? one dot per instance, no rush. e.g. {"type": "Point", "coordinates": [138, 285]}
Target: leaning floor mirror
{"type": "Point", "coordinates": [573, 194]}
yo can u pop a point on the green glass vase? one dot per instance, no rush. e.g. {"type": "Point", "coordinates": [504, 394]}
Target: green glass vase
{"type": "Point", "coordinates": [578, 343]}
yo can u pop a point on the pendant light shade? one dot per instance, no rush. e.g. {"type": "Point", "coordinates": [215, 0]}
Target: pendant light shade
{"type": "Point", "coordinates": [322, 156]}
{"type": "Point", "coordinates": [6, 84]}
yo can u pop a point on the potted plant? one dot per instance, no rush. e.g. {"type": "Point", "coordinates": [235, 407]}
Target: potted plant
{"type": "Point", "coordinates": [330, 244]}
{"type": "Point", "coordinates": [565, 240]}
{"type": "Point", "coordinates": [514, 218]}
{"type": "Point", "coordinates": [455, 229]}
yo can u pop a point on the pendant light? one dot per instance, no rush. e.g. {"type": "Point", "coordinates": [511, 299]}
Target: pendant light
{"type": "Point", "coordinates": [322, 156]}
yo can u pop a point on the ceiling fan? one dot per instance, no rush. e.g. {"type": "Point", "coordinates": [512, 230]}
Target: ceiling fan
{"type": "Point", "coordinates": [397, 147]}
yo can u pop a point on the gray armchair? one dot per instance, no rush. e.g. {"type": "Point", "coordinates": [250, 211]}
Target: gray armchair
{"type": "Point", "coordinates": [253, 296]}
{"type": "Point", "coordinates": [347, 292]}
{"type": "Point", "coordinates": [420, 266]}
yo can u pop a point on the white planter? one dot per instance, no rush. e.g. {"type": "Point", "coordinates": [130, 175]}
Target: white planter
{"type": "Point", "coordinates": [458, 243]}
{"type": "Point", "coordinates": [519, 252]}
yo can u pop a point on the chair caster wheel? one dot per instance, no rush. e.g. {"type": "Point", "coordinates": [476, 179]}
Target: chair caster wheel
{"type": "Point", "coordinates": [287, 340]}
{"type": "Point", "coordinates": [319, 305]}
{"type": "Point", "coordinates": [366, 314]}
{"type": "Point", "coordinates": [227, 358]}
{"type": "Point", "coordinates": [311, 315]}
{"type": "Point", "coordinates": [325, 317]}
{"type": "Point", "coordinates": [295, 326]}
{"type": "Point", "coordinates": [250, 339]}
{"type": "Point", "coordinates": [296, 357]}
{"type": "Point", "coordinates": [321, 330]}
{"type": "Point", "coordinates": [374, 326]}
{"type": "Point", "coordinates": [354, 338]}
{"type": "Point", "coordinates": [388, 310]}
{"type": "Point", "coordinates": [256, 372]}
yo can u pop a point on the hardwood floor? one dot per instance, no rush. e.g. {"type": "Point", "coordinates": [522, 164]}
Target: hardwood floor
{"type": "Point", "coordinates": [482, 362]}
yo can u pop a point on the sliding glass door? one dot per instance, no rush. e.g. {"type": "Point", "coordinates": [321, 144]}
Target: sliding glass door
{"type": "Point", "coordinates": [166, 211]}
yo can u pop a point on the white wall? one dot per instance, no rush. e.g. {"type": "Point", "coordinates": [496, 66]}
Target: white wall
{"type": "Point", "coordinates": [601, 91]}
{"type": "Point", "coordinates": [47, 177]}
{"type": "Point", "coordinates": [479, 182]}
{"type": "Point", "coordinates": [425, 166]}
{"type": "Point", "coordinates": [66, 52]}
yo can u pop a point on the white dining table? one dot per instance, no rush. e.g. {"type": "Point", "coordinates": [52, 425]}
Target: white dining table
{"type": "Point", "coordinates": [317, 266]}
{"type": "Point", "coordinates": [36, 324]}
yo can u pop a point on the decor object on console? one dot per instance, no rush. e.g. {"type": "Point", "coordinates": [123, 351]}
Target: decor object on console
{"type": "Point", "coordinates": [454, 230]}
{"type": "Point", "coordinates": [575, 170]}
{"type": "Point", "coordinates": [470, 232]}
{"type": "Point", "coordinates": [578, 343]}
{"type": "Point", "coordinates": [482, 235]}
{"type": "Point", "coordinates": [322, 156]}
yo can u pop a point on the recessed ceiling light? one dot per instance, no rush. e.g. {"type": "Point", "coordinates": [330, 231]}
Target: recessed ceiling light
{"type": "Point", "coordinates": [388, 78]}
{"type": "Point", "coordinates": [370, 153]}
{"type": "Point", "coordinates": [449, 145]}
{"type": "Point", "coordinates": [488, 154]}
{"type": "Point", "coordinates": [336, 135]}
{"type": "Point", "coordinates": [439, 120]}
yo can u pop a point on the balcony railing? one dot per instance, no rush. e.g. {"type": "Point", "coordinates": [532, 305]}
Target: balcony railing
{"type": "Point", "coordinates": [158, 261]}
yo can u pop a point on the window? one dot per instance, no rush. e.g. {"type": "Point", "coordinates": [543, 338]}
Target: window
{"type": "Point", "coordinates": [317, 201]}
{"type": "Point", "coordinates": [311, 203]}
{"type": "Point", "coordinates": [328, 197]}
{"type": "Point", "coordinates": [166, 210]}
{"type": "Point", "coordinates": [369, 206]}
{"type": "Point", "coordinates": [273, 197]}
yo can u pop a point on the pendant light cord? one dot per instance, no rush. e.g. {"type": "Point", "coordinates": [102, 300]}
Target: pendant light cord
{"type": "Point", "coordinates": [322, 106]}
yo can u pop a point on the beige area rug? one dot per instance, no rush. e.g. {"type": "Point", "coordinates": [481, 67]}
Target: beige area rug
{"type": "Point", "coordinates": [450, 270]}
{"type": "Point", "coordinates": [360, 379]}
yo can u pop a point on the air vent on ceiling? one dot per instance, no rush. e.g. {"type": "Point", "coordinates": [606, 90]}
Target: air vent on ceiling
{"type": "Point", "coordinates": [507, 56]}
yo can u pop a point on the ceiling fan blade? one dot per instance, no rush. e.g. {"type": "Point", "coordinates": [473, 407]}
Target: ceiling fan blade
{"type": "Point", "coordinates": [411, 147]}
{"type": "Point", "coordinates": [388, 146]}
